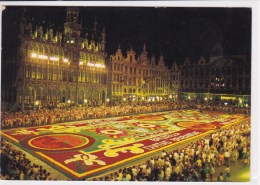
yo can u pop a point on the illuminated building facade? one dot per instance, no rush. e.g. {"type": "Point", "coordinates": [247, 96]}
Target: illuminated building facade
{"type": "Point", "coordinates": [136, 79]}
{"type": "Point", "coordinates": [174, 84]}
{"type": "Point", "coordinates": [56, 67]}
{"type": "Point", "coordinates": [219, 79]}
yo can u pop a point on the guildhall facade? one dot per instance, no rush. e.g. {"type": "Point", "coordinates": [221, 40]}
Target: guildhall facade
{"type": "Point", "coordinates": [138, 79]}
{"type": "Point", "coordinates": [56, 67]}
{"type": "Point", "coordinates": [218, 79]}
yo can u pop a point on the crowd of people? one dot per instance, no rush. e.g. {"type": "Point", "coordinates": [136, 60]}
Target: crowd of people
{"type": "Point", "coordinates": [199, 161]}
{"type": "Point", "coordinates": [50, 116]}
{"type": "Point", "coordinates": [228, 108]}
{"type": "Point", "coordinates": [16, 166]}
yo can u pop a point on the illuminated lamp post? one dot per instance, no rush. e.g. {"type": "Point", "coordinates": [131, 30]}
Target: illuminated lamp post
{"type": "Point", "coordinates": [85, 102]}
{"type": "Point", "coordinates": [69, 102]}
{"type": "Point", "coordinates": [36, 105]}
{"type": "Point", "coordinates": [107, 100]}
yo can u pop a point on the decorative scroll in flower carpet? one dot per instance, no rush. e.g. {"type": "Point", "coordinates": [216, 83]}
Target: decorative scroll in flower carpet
{"type": "Point", "coordinates": [87, 148]}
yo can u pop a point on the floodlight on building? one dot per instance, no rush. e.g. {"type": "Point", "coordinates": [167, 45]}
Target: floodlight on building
{"type": "Point", "coordinates": [206, 99]}
{"type": "Point", "coordinates": [170, 96]}
{"type": "Point", "coordinates": [90, 64]}
{"type": "Point", "coordinates": [80, 62]}
{"type": "Point", "coordinates": [85, 100]}
{"type": "Point", "coordinates": [142, 98]}
{"type": "Point", "coordinates": [100, 65]}
{"type": "Point", "coordinates": [43, 57]}
{"type": "Point", "coordinates": [226, 103]}
{"type": "Point", "coordinates": [54, 58]}
{"type": "Point", "coordinates": [69, 101]}
{"type": "Point", "coordinates": [65, 60]}
{"type": "Point", "coordinates": [108, 99]}
{"type": "Point", "coordinates": [36, 103]}
{"type": "Point", "coordinates": [96, 65]}
{"type": "Point", "coordinates": [124, 99]}
{"type": "Point", "coordinates": [34, 55]}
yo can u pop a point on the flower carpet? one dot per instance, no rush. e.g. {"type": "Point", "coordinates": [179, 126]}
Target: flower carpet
{"type": "Point", "coordinates": [88, 148]}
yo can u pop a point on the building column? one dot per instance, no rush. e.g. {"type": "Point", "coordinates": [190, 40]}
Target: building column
{"type": "Point", "coordinates": [22, 100]}
{"type": "Point", "coordinates": [34, 98]}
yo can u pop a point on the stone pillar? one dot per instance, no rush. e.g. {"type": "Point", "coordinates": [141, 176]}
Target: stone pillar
{"type": "Point", "coordinates": [34, 98]}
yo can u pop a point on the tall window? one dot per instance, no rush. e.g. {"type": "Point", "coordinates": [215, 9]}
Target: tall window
{"type": "Point", "coordinates": [28, 72]}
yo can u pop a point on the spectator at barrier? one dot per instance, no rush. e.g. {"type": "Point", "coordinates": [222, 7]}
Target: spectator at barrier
{"type": "Point", "coordinates": [220, 177]}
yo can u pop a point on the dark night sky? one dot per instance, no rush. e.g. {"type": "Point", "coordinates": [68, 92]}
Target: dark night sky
{"type": "Point", "coordinates": [174, 32]}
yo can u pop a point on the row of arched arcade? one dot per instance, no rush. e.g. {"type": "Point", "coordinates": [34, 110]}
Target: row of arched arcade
{"type": "Point", "coordinates": [51, 96]}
